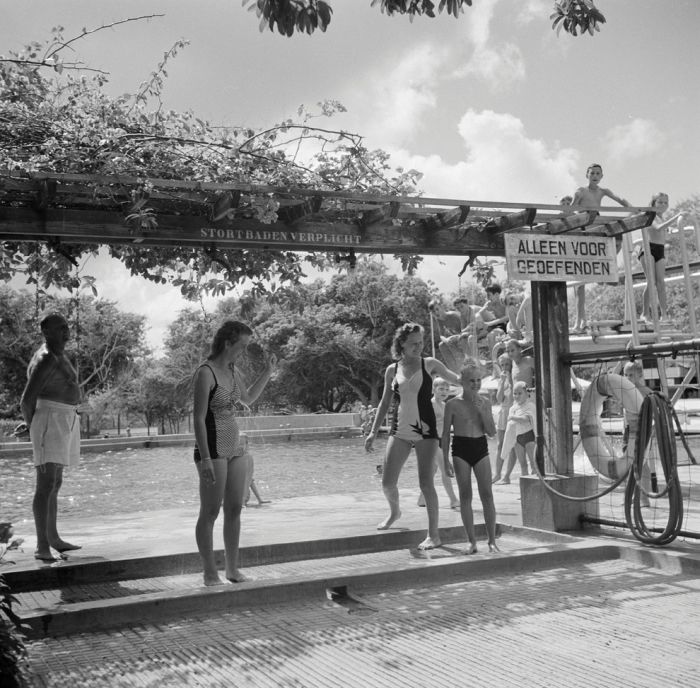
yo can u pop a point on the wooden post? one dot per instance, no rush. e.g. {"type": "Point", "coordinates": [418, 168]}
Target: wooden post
{"type": "Point", "coordinates": [552, 377]}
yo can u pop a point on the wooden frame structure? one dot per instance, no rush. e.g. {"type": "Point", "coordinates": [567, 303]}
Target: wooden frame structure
{"type": "Point", "coordinates": [65, 209]}
{"type": "Point", "coordinates": [72, 208]}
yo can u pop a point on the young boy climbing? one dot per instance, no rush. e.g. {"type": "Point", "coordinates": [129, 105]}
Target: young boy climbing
{"type": "Point", "coordinates": [590, 196]}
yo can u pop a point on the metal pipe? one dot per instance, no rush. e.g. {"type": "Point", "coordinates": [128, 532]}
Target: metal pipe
{"type": "Point", "coordinates": [621, 524]}
{"type": "Point", "coordinates": [630, 352]}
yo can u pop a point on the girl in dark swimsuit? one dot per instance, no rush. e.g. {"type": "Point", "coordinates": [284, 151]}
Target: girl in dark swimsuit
{"type": "Point", "coordinates": [224, 467]}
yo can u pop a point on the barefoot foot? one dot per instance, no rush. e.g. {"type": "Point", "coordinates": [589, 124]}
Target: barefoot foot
{"type": "Point", "coordinates": [236, 577]}
{"type": "Point", "coordinates": [47, 555]}
{"type": "Point", "coordinates": [63, 546]}
{"type": "Point", "coordinates": [471, 549]}
{"type": "Point", "coordinates": [505, 481]}
{"type": "Point", "coordinates": [454, 505]}
{"type": "Point", "coordinates": [430, 543]}
{"type": "Point", "coordinates": [493, 547]}
{"type": "Point", "coordinates": [495, 479]}
{"type": "Point", "coordinates": [210, 581]}
{"type": "Point", "coordinates": [386, 523]}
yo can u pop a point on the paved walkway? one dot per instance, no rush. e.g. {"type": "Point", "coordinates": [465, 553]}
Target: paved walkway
{"type": "Point", "coordinates": [611, 622]}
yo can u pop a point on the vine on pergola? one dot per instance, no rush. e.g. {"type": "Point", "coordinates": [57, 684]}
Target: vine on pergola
{"type": "Point", "coordinates": [54, 118]}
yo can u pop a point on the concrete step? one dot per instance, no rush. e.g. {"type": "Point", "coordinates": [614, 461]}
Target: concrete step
{"type": "Point", "coordinates": [66, 598]}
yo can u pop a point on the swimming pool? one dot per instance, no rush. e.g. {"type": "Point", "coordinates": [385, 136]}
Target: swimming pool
{"type": "Point", "coordinates": [165, 477]}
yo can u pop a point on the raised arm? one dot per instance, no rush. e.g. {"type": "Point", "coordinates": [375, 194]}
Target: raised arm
{"type": "Point", "coordinates": [617, 199]}
{"type": "Point", "coordinates": [439, 369]}
{"type": "Point", "coordinates": [249, 395]}
{"type": "Point", "coordinates": [486, 413]}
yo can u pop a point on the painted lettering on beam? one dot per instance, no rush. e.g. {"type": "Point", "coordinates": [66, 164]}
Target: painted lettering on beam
{"type": "Point", "coordinates": [277, 236]}
{"type": "Point", "coordinates": [540, 257]}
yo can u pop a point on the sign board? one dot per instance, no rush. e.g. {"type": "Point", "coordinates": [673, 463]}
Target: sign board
{"type": "Point", "coordinates": [556, 258]}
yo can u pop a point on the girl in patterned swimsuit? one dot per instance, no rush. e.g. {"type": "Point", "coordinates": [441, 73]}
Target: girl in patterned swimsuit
{"type": "Point", "coordinates": [223, 464]}
{"type": "Point", "coordinates": [408, 389]}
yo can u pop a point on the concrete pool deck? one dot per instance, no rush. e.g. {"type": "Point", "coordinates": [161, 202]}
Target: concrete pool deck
{"type": "Point", "coordinates": [326, 611]}
{"type": "Point", "coordinates": [334, 516]}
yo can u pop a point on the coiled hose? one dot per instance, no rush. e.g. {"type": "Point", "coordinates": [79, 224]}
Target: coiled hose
{"type": "Point", "coordinates": [655, 413]}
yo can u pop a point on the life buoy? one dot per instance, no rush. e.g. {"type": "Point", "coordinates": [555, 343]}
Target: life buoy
{"type": "Point", "coordinates": [593, 438]}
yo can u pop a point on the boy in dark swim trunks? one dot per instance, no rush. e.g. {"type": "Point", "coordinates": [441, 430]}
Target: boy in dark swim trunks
{"type": "Point", "coordinates": [471, 417]}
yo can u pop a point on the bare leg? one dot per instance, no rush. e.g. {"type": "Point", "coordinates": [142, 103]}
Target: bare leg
{"type": "Point", "coordinates": [660, 283]}
{"type": "Point", "coordinates": [254, 490]}
{"type": "Point", "coordinates": [500, 434]}
{"type": "Point", "coordinates": [581, 306]}
{"type": "Point", "coordinates": [397, 452]}
{"type": "Point", "coordinates": [446, 480]}
{"type": "Point", "coordinates": [210, 499]}
{"type": "Point", "coordinates": [425, 453]}
{"type": "Point", "coordinates": [530, 450]}
{"type": "Point", "coordinates": [482, 472]}
{"type": "Point", "coordinates": [512, 458]}
{"type": "Point", "coordinates": [522, 459]}
{"type": "Point", "coordinates": [646, 306]}
{"type": "Point", "coordinates": [44, 507]}
{"type": "Point", "coordinates": [463, 473]}
{"type": "Point", "coordinates": [239, 470]}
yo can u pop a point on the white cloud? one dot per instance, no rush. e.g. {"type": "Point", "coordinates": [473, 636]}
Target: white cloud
{"type": "Point", "coordinates": [501, 68]}
{"type": "Point", "coordinates": [501, 164]}
{"type": "Point", "coordinates": [401, 95]}
{"type": "Point", "coordinates": [636, 139]}
{"type": "Point", "coordinates": [500, 65]}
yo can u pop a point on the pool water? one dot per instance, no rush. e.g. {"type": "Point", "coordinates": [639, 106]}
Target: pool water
{"type": "Point", "coordinates": [118, 482]}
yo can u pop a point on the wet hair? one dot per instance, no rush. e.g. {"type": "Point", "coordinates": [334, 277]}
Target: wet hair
{"type": "Point", "coordinates": [401, 335]}
{"type": "Point", "coordinates": [516, 342]}
{"type": "Point", "coordinates": [461, 299]}
{"type": "Point", "coordinates": [655, 198]}
{"type": "Point", "coordinates": [49, 318]}
{"type": "Point", "coordinates": [469, 367]}
{"type": "Point", "coordinates": [230, 331]}
{"type": "Point", "coordinates": [494, 288]}
{"type": "Point", "coordinates": [592, 165]}
{"type": "Point", "coordinates": [503, 358]}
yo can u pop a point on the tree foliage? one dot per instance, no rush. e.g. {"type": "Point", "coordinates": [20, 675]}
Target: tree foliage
{"type": "Point", "coordinates": [105, 341]}
{"type": "Point", "coordinates": [55, 119]}
{"type": "Point", "coordinates": [288, 16]}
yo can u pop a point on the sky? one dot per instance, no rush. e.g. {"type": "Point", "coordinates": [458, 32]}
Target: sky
{"type": "Point", "coordinates": [491, 106]}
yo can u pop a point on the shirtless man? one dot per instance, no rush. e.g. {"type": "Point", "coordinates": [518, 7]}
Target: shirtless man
{"type": "Point", "coordinates": [471, 417]}
{"type": "Point", "coordinates": [49, 406]}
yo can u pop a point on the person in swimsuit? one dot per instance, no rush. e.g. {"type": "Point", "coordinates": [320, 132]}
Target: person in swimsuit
{"type": "Point", "coordinates": [49, 405]}
{"type": "Point", "coordinates": [657, 248]}
{"type": "Point", "coordinates": [408, 388]}
{"type": "Point", "coordinates": [441, 390]}
{"type": "Point", "coordinates": [471, 417]}
{"type": "Point", "coordinates": [519, 438]}
{"type": "Point", "coordinates": [504, 396]}
{"type": "Point", "coordinates": [222, 459]}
